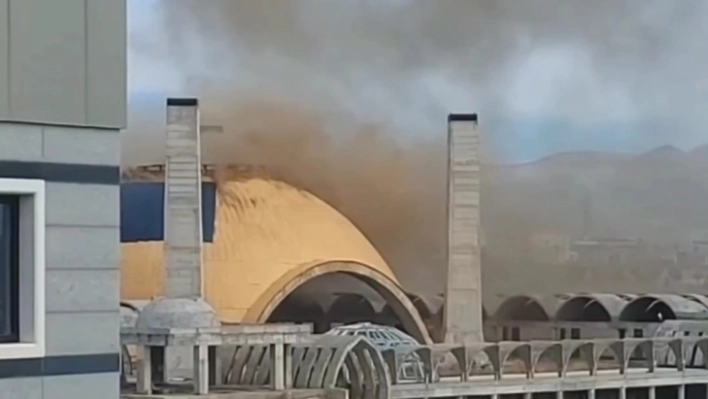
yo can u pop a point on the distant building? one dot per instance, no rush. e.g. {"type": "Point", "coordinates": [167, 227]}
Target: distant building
{"type": "Point", "coordinates": [700, 252]}
{"type": "Point", "coordinates": [607, 250]}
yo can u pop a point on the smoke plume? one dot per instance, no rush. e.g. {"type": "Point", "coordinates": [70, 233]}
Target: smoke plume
{"type": "Point", "coordinates": [348, 99]}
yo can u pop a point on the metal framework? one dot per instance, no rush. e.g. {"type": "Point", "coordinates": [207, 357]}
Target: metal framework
{"type": "Point", "coordinates": [329, 361]}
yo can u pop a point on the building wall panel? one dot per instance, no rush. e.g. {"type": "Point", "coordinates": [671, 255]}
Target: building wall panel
{"type": "Point", "coordinates": [67, 247]}
{"type": "Point", "coordinates": [21, 142]}
{"type": "Point", "coordinates": [64, 62]}
{"type": "Point", "coordinates": [4, 55]}
{"type": "Point", "coordinates": [107, 54]}
{"type": "Point", "coordinates": [98, 332]}
{"type": "Point", "coordinates": [98, 146]}
{"type": "Point", "coordinates": [94, 386]}
{"type": "Point", "coordinates": [48, 61]}
{"type": "Point", "coordinates": [21, 388]}
{"type": "Point", "coordinates": [82, 290]}
{"type": "Point", "coordinates": [82, 204]}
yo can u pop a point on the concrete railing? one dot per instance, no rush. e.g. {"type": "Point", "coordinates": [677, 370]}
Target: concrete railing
{"type": "Point", "coordinates": [446, 362]}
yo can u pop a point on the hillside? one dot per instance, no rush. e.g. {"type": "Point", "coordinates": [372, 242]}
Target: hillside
{"type": "Point", "coordinates": [661, 195]}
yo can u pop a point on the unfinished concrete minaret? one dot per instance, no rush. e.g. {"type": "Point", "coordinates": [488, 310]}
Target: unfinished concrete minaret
{"type": "Point", "coordinates": [463, 294]}
{"type": "Point", "coordinates": [183, 200]}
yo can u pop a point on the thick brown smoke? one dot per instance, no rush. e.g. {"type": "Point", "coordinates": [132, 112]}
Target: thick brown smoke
{"type": "Point", "coordinates": [348, 99]}
{"type": "Point", "coordinates": [393, 192]}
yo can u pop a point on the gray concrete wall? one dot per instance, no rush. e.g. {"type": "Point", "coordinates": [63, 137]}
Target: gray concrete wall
{"type": "Point", "coordinates": [63, 62]}
{"type": "Point", "coordinates": [62, 101]}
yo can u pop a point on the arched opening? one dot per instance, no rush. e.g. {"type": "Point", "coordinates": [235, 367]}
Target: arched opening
{"type": "Point", "coordinates": [426, 309]}
{"type": "Point", "coordinates": [341, 285]}
{"type": "Point", "coordinates": [350, 307]}
{"type": "Point", "coordinates": [583, 308]}
{"type": "Point", "coordinates": [647, 309]}
{"type": "Point", "coordinates": [388, 317]}
{"type": "Point", "coordinates": [523, 308]}
{"type": "Point", "coordinates": [300, 309]}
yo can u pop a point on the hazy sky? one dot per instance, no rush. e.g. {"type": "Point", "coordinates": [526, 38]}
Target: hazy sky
{"type": "Point", "coordinates": [546, 76]}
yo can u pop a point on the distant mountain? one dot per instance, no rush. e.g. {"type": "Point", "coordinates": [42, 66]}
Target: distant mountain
{"type": "Point", "coordinates": [660, 195]}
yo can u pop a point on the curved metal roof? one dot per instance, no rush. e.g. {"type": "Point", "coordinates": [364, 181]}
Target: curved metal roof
{"type": "Point", "coordinates": [611, 304]}
{"type": "Point", "coordinates": [621, 306]}
{"type": "Point", "coordinates": [680, 307]}
{"type": "Point", "coordinates": [700, 298]}
{"type": "Point", "coordinates": [381, 336]}
{"type": "Point", "coordinates": [515, 306]}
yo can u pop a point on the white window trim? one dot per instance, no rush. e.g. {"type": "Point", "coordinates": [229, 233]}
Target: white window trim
{"type": "Point", "coordinates": [32, 268]}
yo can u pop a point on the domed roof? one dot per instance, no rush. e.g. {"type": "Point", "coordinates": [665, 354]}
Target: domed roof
{"type": "Point", "coordinates": [264, 230]}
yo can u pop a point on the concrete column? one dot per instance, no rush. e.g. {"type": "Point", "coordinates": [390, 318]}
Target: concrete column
{"type": "Point", "coordinates": [183, 200]}
{"type": "Point", "coordinates": [528, 395]}
{"type": "Point", "coordinates": [652, 393]}
{"type": "Point", "coordinates": [144, 383]}
{"type": "Point", "coordinates": [623, 393]}
{"type": "Point", "coordinates": [201, 369]}
{"type": "Point", "coordinates": [560, 395]}
{"type": "Point", "coordinates": [681, 392]}
{"type": "Point", "coordinates": [277, 353]}
{"type": "Point", "coordinates": [591, 394]}
{"type": "Point", "coordinates": [288, 366]}
{"type": "Point", "coordinates": [463, 296]}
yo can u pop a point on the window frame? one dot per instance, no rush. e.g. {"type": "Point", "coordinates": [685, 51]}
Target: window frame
{"type": "Point", "coordinates": [30, 268]}
{"type": "Point", "coordinates": [13, 202]}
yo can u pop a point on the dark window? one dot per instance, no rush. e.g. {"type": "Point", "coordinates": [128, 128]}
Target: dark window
{"type": "Point", "coordinates": [574, 333]}
{"type": "Point", "coordinates": [515, 334]}
{"type": "Point", "coordinates": [9, 269]}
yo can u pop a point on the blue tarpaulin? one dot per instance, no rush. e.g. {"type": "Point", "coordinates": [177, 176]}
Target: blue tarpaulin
{"type": "Point", "coordinates": [142, 211]}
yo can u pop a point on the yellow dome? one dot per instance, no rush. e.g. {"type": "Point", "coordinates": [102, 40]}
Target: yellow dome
{"type": "Point", "coordinates": [269, 238]}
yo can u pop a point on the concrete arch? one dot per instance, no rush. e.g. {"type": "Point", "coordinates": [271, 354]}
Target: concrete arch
{"type": "Point", "coordinates": [552, 352]}
{"type": "Point", "coordinates": [591, 307]}
{"type": "Point", "coordinates": [394, 296]}
{"type": "Point", "coordinates": [516, 350]}
{"type": "Point", "coordinates": [557, 356]}
{"type": "Point", "coordinates": [351, 308]}
{"type": "Point", "coordinates": [433, 307]}
{"type": "Point", "coordinates": [700, 298]}
{"type": "Point", "coordinates": [657, 308]}
{"type": "Point", "coordinates": [428, 307]}
{"type": "Point", "coordinates": [306, 312]}
{"type": "Point", "coordinates": [522, 307]}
